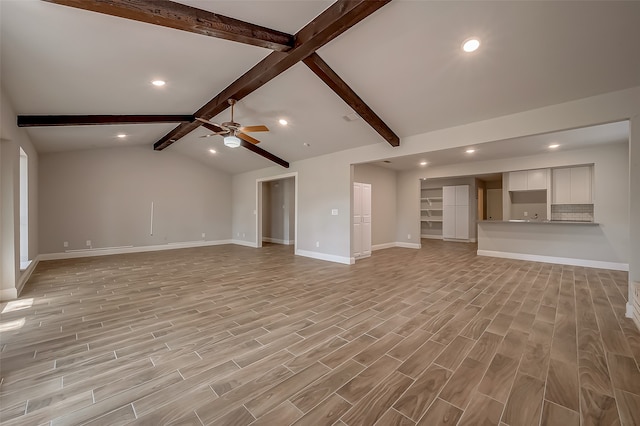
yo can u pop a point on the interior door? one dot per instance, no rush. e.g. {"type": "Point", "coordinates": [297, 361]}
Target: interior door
{"type": "Point", "coordinates": [357, 220]}
{"type": "Point", "coordinates": [366, 220]}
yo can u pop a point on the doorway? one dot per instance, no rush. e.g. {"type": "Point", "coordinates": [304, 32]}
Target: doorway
{"type": "Point", "coordinates": [277, 211]}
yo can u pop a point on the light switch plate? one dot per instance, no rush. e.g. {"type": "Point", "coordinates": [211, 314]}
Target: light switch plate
{"type": "Point", "coordinates": [334, 212]}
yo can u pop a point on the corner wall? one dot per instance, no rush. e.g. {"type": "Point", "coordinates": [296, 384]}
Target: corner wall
{"type": "Point", "coordinates": [325, 182]}
{"type": "Point", "coordinates": [105, 196]}
{"type": "Point", "coordinates": [12, 139]}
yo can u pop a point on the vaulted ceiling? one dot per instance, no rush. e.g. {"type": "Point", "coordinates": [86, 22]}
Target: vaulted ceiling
{"type": "Point", "coordinates": [404, 61]}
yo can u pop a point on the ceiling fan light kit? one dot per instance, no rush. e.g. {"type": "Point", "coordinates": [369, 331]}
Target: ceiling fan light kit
{"type": "Point", "coordinates": [232, 141]}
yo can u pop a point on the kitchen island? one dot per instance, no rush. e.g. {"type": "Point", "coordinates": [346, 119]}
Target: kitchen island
{"type": "Point", "coordinates": [549, 241]}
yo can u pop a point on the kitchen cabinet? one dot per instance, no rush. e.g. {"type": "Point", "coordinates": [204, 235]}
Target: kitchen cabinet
{"type": "Point", "coordinates": [528, 180]}
{"type": "Point", "coordinates": [571, 185]}
{"type": "Point", "coordinates": [455, 215]}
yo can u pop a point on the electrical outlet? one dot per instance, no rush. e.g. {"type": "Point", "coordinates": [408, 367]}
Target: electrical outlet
{"type": "Point", "coordinates": [88, 243]}
{"type": "Point", "coordinates": [65, 244]}
{"type": "Point", "coordinates": [204, 235]}
{"type": "Point", "coordinates": [238, 234]}
{"type": "Point", "coordinates": [526, 214]}
{"type": "Point", "coordinates": [408, 236]}
{"type": "Point", "coordinates": [317, 243]}
{"type": "Point", "coordinates": [243, 235]}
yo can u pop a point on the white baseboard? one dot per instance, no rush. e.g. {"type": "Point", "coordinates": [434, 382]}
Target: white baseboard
{"type": "Point", "coordinates": [629, 312]}
{"type": "Point", "coordinates": [382, 246]}
{"type": "Point", "coordinates": [8, 294]}
{"type": "Point", "coordinates": [454, 240]}
{"type": "Point", "coordinates": [557, 260]}
{"type": "Point", "coordinates": [26, 274]}
{"type": "Point", "coordinates": [244, 243]}
{"type": "Point", "coordinates": [408, 245]}
{"type": "Point", "coordinates": [431, 237]}
{"type": "Point", "coordinates": [327, 257]}
{"type": "Point", "coordinates": [395, 244]}
{"type": "Point", "coordinates": [106, 251]}
{"type": "Point", "coordinates": [277, 241]}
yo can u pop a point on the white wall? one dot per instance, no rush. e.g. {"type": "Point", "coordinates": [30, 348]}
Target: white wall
{"type": "Point", "coordinates": [383, 201]}
{"type": "Point", "coordinates": [105, 195]}
{"type": "Point", "coordinates": [324, 182]}
{"type": "Point", "coordinates": [13, 138]}
{"type": "Point", "coordinates": [610, 241]}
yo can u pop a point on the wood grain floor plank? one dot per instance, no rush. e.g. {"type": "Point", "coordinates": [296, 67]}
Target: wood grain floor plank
{"type": "Point", "coordinates": [524, 406]}
{"type": "Point", "coordinates": [415, 401]}
{"type": "Point", "coordinates": [362, 384]}
{"type": "Point", "coordinates": [624, 373]}
{"type": "Point", "coordinates": [441, 413]}
{"type": "Point", "coordinates": [482, 411]}
{"type": "Point", "coordinates": [284, 414]}
{"type": "Point", "coordinates": [368, 410]}
{"type": "Point", "coordinates": [325, 413]}
{"type": "Point", "coordinates": [499, 377]}
{"type": "Point", "coordinates": [597, 409]}
{"type": "Point", "coordinates": [562, 385]}
{"type": "Point", "coordinates": [463, 382]}
{"type": "Point", "coordinates": [628, 407]}
{"type": "Point", "coordinates": [553, 414]}
{"type": "Point", "coordinates": [193, 336]}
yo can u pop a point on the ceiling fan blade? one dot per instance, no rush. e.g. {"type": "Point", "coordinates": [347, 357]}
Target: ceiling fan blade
{"type": "Point", "coordinates": [212, 126]}
{"type": "Point", "coordinates": [250, 129]}
{"type": "Point", "coordinates": [265, 154]}
{"type": "Point", "coordinates": [247, 138]}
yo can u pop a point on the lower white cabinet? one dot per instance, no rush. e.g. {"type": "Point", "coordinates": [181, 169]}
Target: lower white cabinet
{"type": "Point", "coordinates": [455, 213]}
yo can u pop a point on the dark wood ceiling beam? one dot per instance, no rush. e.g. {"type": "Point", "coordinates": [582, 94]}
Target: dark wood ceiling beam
{"type": "Point", "coordinates": [335, 20]}
{"type": "Point", "coordinates": [265, 154]}
{"type": "Point", "coordinates": [186, 18]}
{"type": "Point", "coordinates": [342, 89]}
{"type": "Point", "coordinates": [89, 120]}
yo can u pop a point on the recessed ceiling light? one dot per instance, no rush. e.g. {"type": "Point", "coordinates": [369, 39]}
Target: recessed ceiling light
{"type": "Point", "coordinates": [554, 146]}
{"type": "Point", "coordinates": [423, 163]}
{"type": "Point", "coordinates": [122, 135]}
{"type": "Point", "coordinates": [283, 122]}
{"type": "Point", "coordinates": [213, 151]}
{"type": "Point", "coordinates": [158, 83]}
{"type": "Point", "coordinates": [471, 45]}
{"type": "Point", "coordinates": [470, 151]}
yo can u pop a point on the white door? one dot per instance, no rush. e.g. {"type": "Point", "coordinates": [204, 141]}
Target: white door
{"type": "Point", "coordinates": [357, 219]}
{"type": "Point", "coordinates": [361, 219]}
{"type": "Point", "coordinates": [366, 219]}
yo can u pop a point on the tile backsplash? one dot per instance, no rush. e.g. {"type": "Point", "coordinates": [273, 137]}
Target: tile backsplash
{"type": "Point", "coordinates": [572, 212]}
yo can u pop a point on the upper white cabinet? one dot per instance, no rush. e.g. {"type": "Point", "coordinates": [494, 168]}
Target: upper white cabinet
{"type": "Point", "coordinates": [572, 185]}
{"type": "Point", "coordinates": [528, 180]}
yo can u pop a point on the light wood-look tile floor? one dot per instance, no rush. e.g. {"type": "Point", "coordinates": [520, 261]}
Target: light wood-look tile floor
{"type": "Point", "coordinates": [230, 335]}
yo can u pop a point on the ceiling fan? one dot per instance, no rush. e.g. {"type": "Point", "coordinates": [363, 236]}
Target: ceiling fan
{"type": "Point", "coordinates": [231, 130]}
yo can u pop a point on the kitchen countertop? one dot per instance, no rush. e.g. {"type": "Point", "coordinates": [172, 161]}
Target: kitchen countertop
{"type": "Point", "coordinates": [541, 222]}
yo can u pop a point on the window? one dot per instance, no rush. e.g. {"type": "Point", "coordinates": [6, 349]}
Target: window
{"type": "Point", "coordinates": [24, 210]}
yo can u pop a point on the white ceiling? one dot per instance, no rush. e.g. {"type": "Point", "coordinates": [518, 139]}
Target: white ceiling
{"type": "Point", "coordinates": [404, 61]}
{"type": "Point", "coordinates": [529, 145]}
